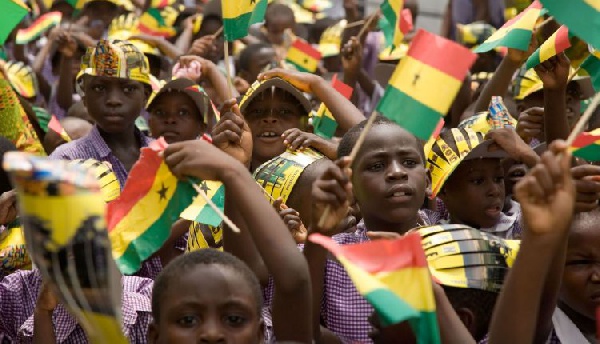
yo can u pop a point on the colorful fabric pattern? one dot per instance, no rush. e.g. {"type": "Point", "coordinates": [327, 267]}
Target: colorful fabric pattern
{"type": "Point", "coordinates": [238, 15]}
{"type": "Point", "coordinates": [13, 253]}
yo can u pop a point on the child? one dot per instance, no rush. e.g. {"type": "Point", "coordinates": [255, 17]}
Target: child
{"type": "Point", "coordinates": [253, 60]}
{"type": "Point", "coordinates": [220, 310]}
{"type": "Point", "coordinates": [468, 177]}
{"type": "Point", "coordinates": [277, 29]}
{"type": "Point", "coordinates": [389, 182]}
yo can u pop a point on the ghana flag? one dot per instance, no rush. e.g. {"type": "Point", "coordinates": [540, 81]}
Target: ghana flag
{"type": "Point", "coordinates": [581, 16]}
{"type": "Point", "coordinates": [555, 44]}
{"type": "Point", "coordinates": [393, 276]}
{"type": "Point", "coordinates": [11, 14]}
{"type": "Point", "coordinates": [587, 146]}
{"type": "Point", "coordinates": [152, 23]}
{"type": "Point", "coordinates": [324, 123]}
{"type": "Point", "coordinates": [425, 83]}
{"type": "Point", "coordinates": [199, 211]}
{"type": "Point", "coordinates": [591, 66]}
{"type": "Point", "coordinates": [515, 33]}
{"type": "Point", "coordinates": [38, 27]}
{"type": "Point", "coordinates": [140, 220]}
{"type": "Point", "coordinates": [392, 11]}
{"type": "Point", "coordinates": [303, 56]}
{"type": "Point", "coordinates": [238, 15]}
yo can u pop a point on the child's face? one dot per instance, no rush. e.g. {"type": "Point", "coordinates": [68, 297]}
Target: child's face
{"type": "Point", "coordinates": [268, 116]}
{"type": "Point", "coordinates": [175, 117]}
{"type": "Point", "coordinates": [114, 103]}
{"type": "Point", "coordinates": [276, 28]}
{"type": "Point", "coordinates": [580, 288]}
{"type": "Point", "coordinates": [474, 193]}
{"type": "Point", "coordinates": [101, 10]}
{"type": "Point", "coordinates": [389, 178]}
{"type": "Point", "coordinates": [260, 60]}
{"type": "Point", "coordinates": [210, 304]}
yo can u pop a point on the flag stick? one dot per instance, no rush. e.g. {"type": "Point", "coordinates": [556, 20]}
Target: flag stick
{"type": "Point", "coordinates": [353, 153]}
{"type": "Point", "coordinates": [214, 207]}
{"type": "Point", "coordinates": [354, 24]}
{"type": "Point", "coordinates": [366, 25]}
{"type": "Point", "coordinates": [583, 120]}
{"type": "Point", "coordinates": [227, 70]}
{"type": "Point", "coordinates": [549, 19]}
{"type": "Point", "coordinates": [573, 75]}
{"type": "Point", "coordinates": [218, 33]}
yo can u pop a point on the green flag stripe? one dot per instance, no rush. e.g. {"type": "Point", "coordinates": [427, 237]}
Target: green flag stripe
{"type": "Point", "coordinates": [153, 238]}
{"type": "Point", "coordinates": [326, 127]}
{"type": "Point", "coordinates": [409, 113]}
{"type": "Point", "coordinates": [581, 18]}
{"type": "Point", "coordinates": [207, 215]}
{"type": "Point", "coordinates": [426, 328]}
{"type": "Point", "coordinates": [390, 308]}
{"type": "Point", "coordinates": [592, 66]}
{"type": "Point", "coordinates": [298, 67]}
{"type": "Point", "coordinates": [515, 39]}
{"type": "Point", "coordinates": [533, 60]}
{"type": "Point", "coordinates": [589, 153]}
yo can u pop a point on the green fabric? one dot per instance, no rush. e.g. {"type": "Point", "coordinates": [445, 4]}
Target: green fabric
{"type": "Point", "coordinates": [43, 117]}
{"type": "Point", "coordinates": [11, 15]}
{"type": "Point", "coordinates": [409, 113]}
{"type": "Point", "coordinates": [325, 127]}
{"type": "Point", "coordinates": [592, 66]}
{"type": "Point", "coordinates": [582, 19]}
{"type": "Point", "coordinates": [515, 39]}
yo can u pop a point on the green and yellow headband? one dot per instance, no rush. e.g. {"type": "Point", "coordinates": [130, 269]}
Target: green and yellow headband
{"type": "Point", "coordinates": [279, 175]}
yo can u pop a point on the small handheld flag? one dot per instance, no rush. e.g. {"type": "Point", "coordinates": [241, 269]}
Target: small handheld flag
{"type": "Point", "coordinates": [238, 15]}
{"type": "Point", "coordinates": [587, 146]}
{"type": "Point", "coordinates": [556, 44]}
{"type": "Point", "coordinates": [581, 16]}
{"type": "Point", "coordinates": [303, 56]}
{"type": "Point", "coordinates": [425, 83]}
{"type": "Point", "coordinates": [591, 66]}
{"type": "Point", "coordinates": [324, 123]}
{"type": "Point", "coordinates": [38, 27]}
{"type": "Point", "coordinates": [200, 211]}
{"type": "Point", "coordinates": [392, 11]}
{"type": "Point", "coordinates": [55, 126]}
{"type": "Point", "coordinates": [516, 33]}
{"type": "Point", "coordinates": [11, 14]}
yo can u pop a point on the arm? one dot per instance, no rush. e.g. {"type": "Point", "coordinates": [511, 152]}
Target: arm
{"type": "Point", "coordinates": [554, 74]}
{"type": "Point", "coordinates": [66, 46]}
{"type": "Point", "coordinates": [167, 48]}
{"type": "Point", "coordinates": [290, 274]}
{"type": "Point", "coordinates": [452, 329]}
{"type": "Point", "coordinates": [208, 71]}
{"type": "Point", "coordinates": [43, 329]}
{"type": "Point", "coordinates": [345, 113]}
{"type": "Point", "coordinates": [547, 197]}
{"type": "Point", "coordinates": [508, 140]}
{"type": "Point", "coordinates": [185, 39]}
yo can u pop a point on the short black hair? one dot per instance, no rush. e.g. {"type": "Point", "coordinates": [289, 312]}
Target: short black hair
{"type": "Point", "coordinates": [207, 256]}
{"type": "Point", "coordinates": [279, 11]}
{"type": "Point", "coordinates": [247, 54]}
{"type": "Point", "coordinates": [6, 145]}
{"type": "Point", "coordinates": [349, 139]}
{"type": "Point", "coordinates": [480, 302]}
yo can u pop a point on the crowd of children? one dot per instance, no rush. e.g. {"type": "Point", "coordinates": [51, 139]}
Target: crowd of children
{"type": "Point", "coordinates": [111, 77]}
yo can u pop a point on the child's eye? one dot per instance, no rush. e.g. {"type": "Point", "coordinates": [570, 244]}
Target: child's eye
{"type": "Point", "coordinates": [498, 179]}
{"type": "Point", "coordinates": [579, 262]}
{"type": "Point", "coordinates": [183, 112]}
{"type": "Point", "coordinates": [98, 88]}
{"type": "Point", "coordinates": [188, 321]}
{"type": "Point", "coordinates": [410, 163]}
{"type": "Point", "coordinates": [477, 181]}
{"type": "Point", "coordinates": [377, 166]}
{"type": "Point", "coordinates": [128, 89]}
{"type": "Point", "coordinates": [235, 320]}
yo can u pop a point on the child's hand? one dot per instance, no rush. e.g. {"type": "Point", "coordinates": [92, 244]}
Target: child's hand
{"type": "Point", "coordinates": [302, 81]}
{"type": "Point", "coordinates": [199, 159]}
{"type": "Point", "coordinates": [554, 72]}
{"type": "Point", "coordinates": [292, 220]}
{"type": "Point", "coordinates": [352, 54]}
{"type": "Point", "coordinates": [191, 67]}
{"type": "Point", "coordinates": [232, 134]}
{"type": "Point", "coordinates": [508, 140]}
{"type": "Point", "coordinates": [587, 184]}
{"type": "Point", "coordinates": [531, 124]}
{"type": "Point", "coordinates": [547, 192]}
{"type": "Point", "coordinates": [47, 300]}
{"type": "Point", "coordinates": [66, 44]}
{"type": "Point", "coordinates": [8, 207]}
{"type": "Point", "coordinates": [296, 139]}
{"type": "Point", "coordinates": [331, 190]}
{"type": "Point", "coordinates": [202, 46]}
{"type": "Point", "coordinates": [240, 84]}
{"type": "Point", "coordinates": [518, 57]}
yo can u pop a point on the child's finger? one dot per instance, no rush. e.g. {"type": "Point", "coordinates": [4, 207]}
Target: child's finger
{"type": "Point", "coordinates": [298, 141]}
{"type": "Point", "coordinates": [290, 136]}
{"type": "Point", "coordinates": [277, 204]}
{"type": "Point", "coordinates": [552, 164]}
{"type": "Point", "coordinates": [583, 171]}
{"type": "Point", "coordinates": [544, 180]}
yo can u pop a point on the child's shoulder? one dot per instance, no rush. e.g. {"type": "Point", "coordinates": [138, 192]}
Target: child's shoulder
{"type": "Point", "coordinates": [82, 148]}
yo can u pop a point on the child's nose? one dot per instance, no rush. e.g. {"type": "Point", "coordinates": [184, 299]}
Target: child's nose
{"type": "Point", "coordinates": [211, 333]}
{"type": "Point", "coordinates": [396, 171]}
{"type": "Point", "coordinates": [269, 120]}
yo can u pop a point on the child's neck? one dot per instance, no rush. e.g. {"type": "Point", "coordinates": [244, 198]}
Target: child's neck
{"type": "Point", "coordinates": [378, 225]}
{"type": "Point", "coordinates": [120, 140]}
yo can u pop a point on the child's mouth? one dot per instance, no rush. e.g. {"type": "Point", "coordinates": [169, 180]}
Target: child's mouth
{"type": "Point", "coordinates": [270, 137]}
{"type": "Point", "coordinates": [493, 211]}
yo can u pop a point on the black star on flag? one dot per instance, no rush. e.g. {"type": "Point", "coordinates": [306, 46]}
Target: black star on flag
{"type": "Point", "coordinates": [163, 192]}
{"type": "Point", "coordinates": [204, 187]}
{"type": "Point", "coordinates": [252, 2]}
{"type": "Point", "coordinates": [417, 77]}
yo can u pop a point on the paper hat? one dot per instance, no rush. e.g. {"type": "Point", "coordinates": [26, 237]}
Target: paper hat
{"type": "Point", "coordinates": [463, 257]}
{"type": "Point", "coordinates": [497, 117]}
{"type": "Point", "coordinates": [117, 59]}
{"type": "Point", "coordinates": [451, 148]}
{"type": "Point", "coordinates": [388, 54]}
{"type": "Point", "coordinates": [260, 86]}
{"type": "Point", "coordinates": [192, 90]}
{"type": "Point", "coordinates": [21, 77]}
{"type": "Point", "coordinates": [125, 4]}
{"type": "Point", "coordinates": [13, 253]}
{"type": "Point", "coordinates": [472, 35]}
{"type": "Point", "coordinates": [279, 175]}
{"type": "Point", "coordinates": [527, 82]}
{"type": "Point", "coordinates": [331, 40]}
{"type": "Point", "coordinates": [127, 25]}
{"type": "Point", "coordinates": [109, 184]}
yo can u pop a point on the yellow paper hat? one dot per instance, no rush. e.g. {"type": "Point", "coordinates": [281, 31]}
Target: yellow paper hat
{"type": "Point", "coordinates": [21, 78]}
{"type": "Point", "coordinates": [331, 40]}
{"type": "Point", "coordinates": [497, 117]}
{"type": "Point", "coordinates": [451, 148]}
{"type": "Point", "coordinates": [279, 175]}
{"type": "Point", "coordinates": [528, 82]}
{"type": "Point", "coordinates": [473, 34]}
{"type": "Point", "coordinates": [117, 59]}
{"type": "Point", "coordinates": [463, 257]}
{"type": "Point", "coordinates": [260, 86]}
{"type": "Point", "coordinates": [388, 54]}
{"type": "Point", "coordinates": [109, 184]}
{"type": "Point", "coordinates": [124, 27]}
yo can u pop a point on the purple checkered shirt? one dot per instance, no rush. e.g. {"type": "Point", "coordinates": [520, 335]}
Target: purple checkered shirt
{"type": "Point", "coordinates": [18, 295]}
{"type": "Point", "coordinates": [93, 146]}
{"type": "Point", "coordinates": [552, 339]}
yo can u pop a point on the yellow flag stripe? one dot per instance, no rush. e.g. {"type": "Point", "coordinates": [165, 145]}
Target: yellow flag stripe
{"type": "Point", "coordinates": [301, 59]}
{"type": "Point", "coordinates": [427, 85]}
{"type": "Point", "coordinates": [235, 8]}
{"type": "Point", "coordinates": [191, 212]}
{"type": "Point", "coordinates": [593, 3]}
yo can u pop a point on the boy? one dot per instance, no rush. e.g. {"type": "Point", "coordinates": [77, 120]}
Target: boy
{"type": "Point", "coordinates": [221, 310]}
{"type": "Point", "coordinates": [468, 177]}
{"type": "Point", "coordinates": [253, 60]}
{"type": "Point", "coordinates": [277, 29]}
{"type": "Point", "coordinates": [388, 182]}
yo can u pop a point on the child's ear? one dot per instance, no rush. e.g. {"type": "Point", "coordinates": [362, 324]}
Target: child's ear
{"type": "Point", "coordinates": [468, 318]}
{"type": "Point", "coordinates": [152, 335]}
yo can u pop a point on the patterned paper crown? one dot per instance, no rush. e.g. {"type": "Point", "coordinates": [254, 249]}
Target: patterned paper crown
{"type": "Point", "coordinates": [118, 59]}
{"type": "Point", "coordinates": [109, 184]}
{"type": "Point", "coordinates": [21, 77]}
{"type": "Point", "coordinates": [279, 175]}
{"type": "Point", "coordinates": [331, 39]}
{"type": "Point", "coordinates": [497, 117]}
{"type": "Point", "coordinates": [463, 257]}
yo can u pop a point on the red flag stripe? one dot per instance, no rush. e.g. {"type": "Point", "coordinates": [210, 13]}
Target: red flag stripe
{"type": "Point", "coordinates": [405, 22]}
{"type": "Point", "coordinates": [536, 4]}
{"type": "Point", "coordinates": [307, 49]}
{"type": "Point", "coordinates": [341, 87]}
{"type": "Point", "coordinates": [454, 60]}
{"type": "Point", "coordinates": [562, 41]}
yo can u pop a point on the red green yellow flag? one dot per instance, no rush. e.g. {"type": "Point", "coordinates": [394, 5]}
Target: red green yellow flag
{"type": "Point", "coordinates": [238, 15]}
{"type": "Point", "coordinates": [140, 220]}
{"type": "Point", "coordinates": [11, 14]}
{"type": "Point", "coordinates": [591, 66]}
{"type": "Point", "coordinates": [152, 23]}
{"type": "Point", "coordinates": [324, 123]}
{"type": "Point", "coordinates": [55, 126]}
{"type": "Point", "coordinates": [303, 56]}
{"type": "Point", "coordinates": [581, 16]}
{"type": "Point", "coordinates": [397, 19]}
{"type": "Point", "coordinates": [555, 44]}
{"type": "Point", "coordinates": [515, 33]}
{"type": "Point", "coordinates": [393, 276]}
{"type": "Point", "coordinates": [587, 146]}
{"type": "Point", "coordinates": [425, 83]}
{"type": "Point", "coordinates": [38, 27]}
